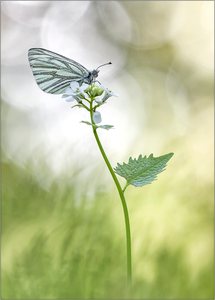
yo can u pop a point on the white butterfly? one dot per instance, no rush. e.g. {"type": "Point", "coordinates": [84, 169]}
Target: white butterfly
{"type": "Point", "coordinates": [54, 72]}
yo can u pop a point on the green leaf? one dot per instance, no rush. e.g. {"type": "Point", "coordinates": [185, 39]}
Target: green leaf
{"type": "Point", "coordinates": [90, 124]}
{"type": "Point", "coordinates": [107, 127]}
{"type": "Point", "coordinates": [77, 105]}
{"type": "Point", "coordinates": [143, 170]}
{"type": "Point", "coordinates": [86, 122]}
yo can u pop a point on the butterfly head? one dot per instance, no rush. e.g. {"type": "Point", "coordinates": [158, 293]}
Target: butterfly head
{"type": "Point", "coordinates": [95, 73]}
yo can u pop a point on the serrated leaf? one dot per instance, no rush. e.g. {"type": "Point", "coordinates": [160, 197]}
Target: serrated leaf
{"type": "Point", "coordinates": [107, 127]}
{"type": "Point", "coordinates": [142, 170]}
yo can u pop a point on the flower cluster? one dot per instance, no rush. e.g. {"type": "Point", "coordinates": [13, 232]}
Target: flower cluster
{"type": "Point", "coordinates": [89, 97]}
{"type": "Point", "coordinates": [75, 92]}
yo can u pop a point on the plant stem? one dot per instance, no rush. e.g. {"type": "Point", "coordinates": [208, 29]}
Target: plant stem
{"type": "Point", "coordinates": [125, 187]}
{"type": "Point", "coordinates": [121, 194]}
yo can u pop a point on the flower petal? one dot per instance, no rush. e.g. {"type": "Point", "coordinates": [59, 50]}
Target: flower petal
{"type": "Point", "coordinates": [69, 99]}
{"type": "Point", "coordinates": [68, 91]}
{"type": "Point", "coordinates": [108, 94]}
{"type": "Point", "coordinates": [113, 94]}
{"type": "Point", "coordinates": [99, 99]}
{"type": "Point", "coordinates": [83, 87]}
{"type": "Point", "coordinates": [74, 85]}
{"type": "Point", "coordinates": [97, 117]}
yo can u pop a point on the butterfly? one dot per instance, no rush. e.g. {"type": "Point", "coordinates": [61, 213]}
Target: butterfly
{"type": "Point", "coordinates": [54, 72]}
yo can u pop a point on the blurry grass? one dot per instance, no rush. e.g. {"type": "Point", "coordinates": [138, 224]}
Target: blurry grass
{"type": "Point", "coordinates": [57, 247]}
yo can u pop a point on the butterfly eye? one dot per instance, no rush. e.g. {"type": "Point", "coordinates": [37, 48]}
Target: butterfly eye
{"type": "Point", "coordinates": [95, 73]}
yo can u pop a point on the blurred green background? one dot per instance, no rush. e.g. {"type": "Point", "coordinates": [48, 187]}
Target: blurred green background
{"type": "Point", "coordinates": [62, 222]}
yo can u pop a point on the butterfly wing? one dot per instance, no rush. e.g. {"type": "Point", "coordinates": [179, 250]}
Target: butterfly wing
{"type": "Point", "coordinates": [53, 72]}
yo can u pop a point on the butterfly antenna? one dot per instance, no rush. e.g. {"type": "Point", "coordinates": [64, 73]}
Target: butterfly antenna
{"type": "Point", "coordinates": [109, 63]}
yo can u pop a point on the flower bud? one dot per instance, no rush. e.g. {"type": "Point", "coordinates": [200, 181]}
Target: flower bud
{"type": "Point", "coordinates": [96, 91]}
{"type": "Point", "coordinates": [97, 117]}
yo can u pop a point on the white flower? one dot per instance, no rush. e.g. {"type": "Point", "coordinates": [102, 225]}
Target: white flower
{"type": "Point", "coordinates": [76, 89]}
{"type": "Point", "coordinates": [107, 94]}
{"type": "Point", "coordinates": [99, 100]}
{"type": "Point", "coordinates": [74, 92]}
{"type": "Point", "coordinates": [97, 117]}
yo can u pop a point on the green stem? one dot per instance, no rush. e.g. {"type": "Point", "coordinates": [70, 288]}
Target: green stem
{"type": "Point", "coordinates": [125, 187]}
{"type": "Point", "coordinates": [85, 106]}
{"type": "Point", "coordinates": [121, 194]}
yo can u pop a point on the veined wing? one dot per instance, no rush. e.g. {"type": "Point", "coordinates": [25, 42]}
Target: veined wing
{"type": "Point", "coordinates": [54, 72]}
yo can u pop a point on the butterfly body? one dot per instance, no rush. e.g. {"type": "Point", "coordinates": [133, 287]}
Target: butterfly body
{"type": "Point", "coordinates": [54, 72]}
